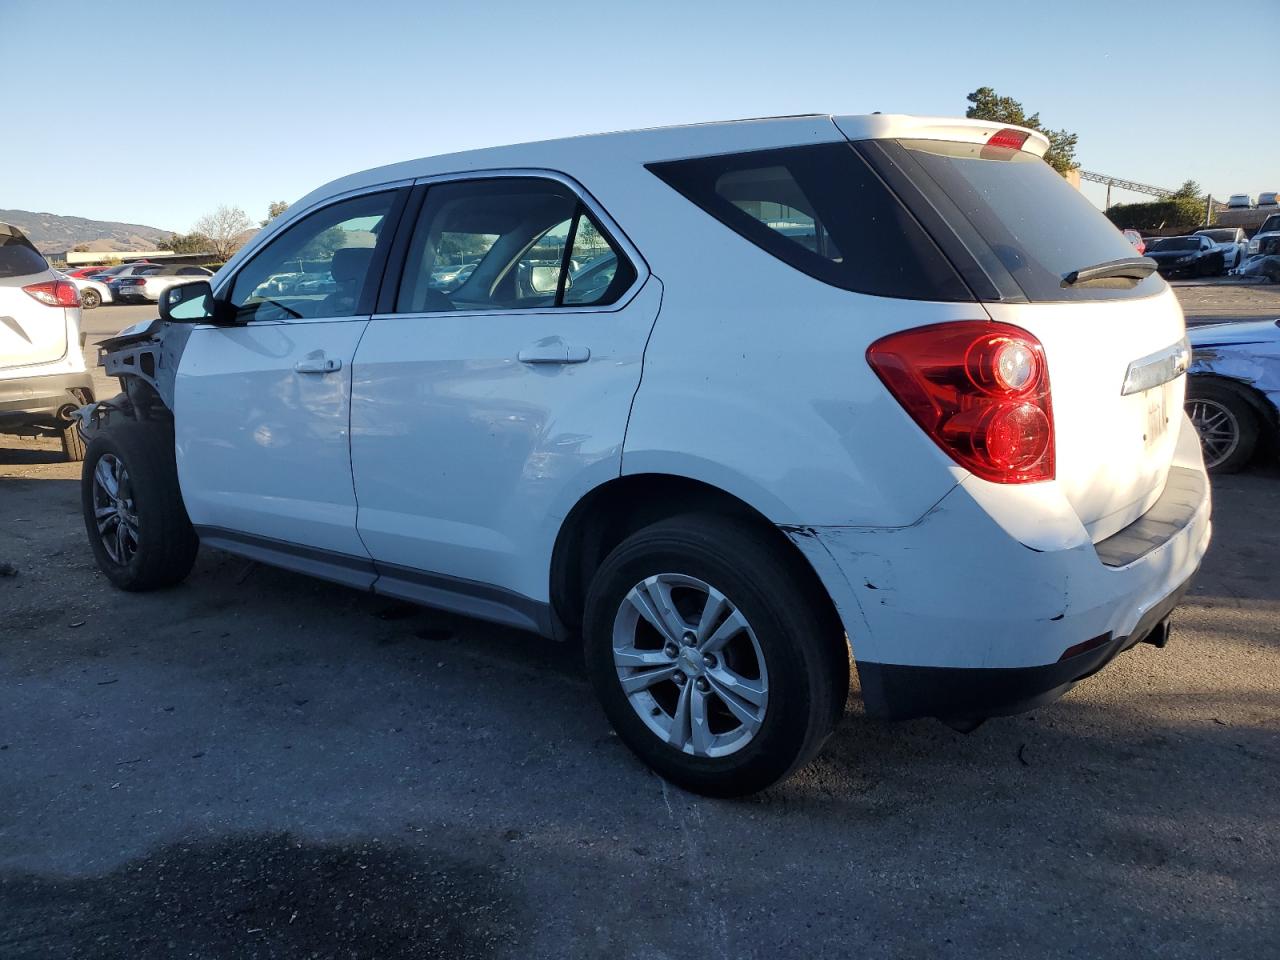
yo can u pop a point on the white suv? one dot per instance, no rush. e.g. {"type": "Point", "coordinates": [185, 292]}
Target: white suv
{"type": "Point", "coordinates": [721, 400]}
{"type": "Point", "coordinates": [43, 379]}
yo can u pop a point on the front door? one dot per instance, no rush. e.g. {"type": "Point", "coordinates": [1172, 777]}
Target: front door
{"type": "Point", "coordinates": [263, 408]}
{"type": "Point", "coordinates": [495, 391]}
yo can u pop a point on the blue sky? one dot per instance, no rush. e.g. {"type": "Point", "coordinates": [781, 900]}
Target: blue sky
{"type": "Point", "coordinates": [156, 112]}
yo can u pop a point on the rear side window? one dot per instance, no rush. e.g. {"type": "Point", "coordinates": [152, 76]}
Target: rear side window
{"type": "Point", "coordinates": [1018, 215]}
{"type": "Point", "coordinates": [822, 210]}
{"type": "Point", "coordinates": [18, 258]}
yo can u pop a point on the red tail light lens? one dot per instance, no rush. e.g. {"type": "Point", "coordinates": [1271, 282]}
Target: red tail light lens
{"type": "Point", "coordinates": [1008, 137]}
{"type": "Point", "coordinates": [55, 293]}
{"type": "Point", "coordinates": [980, 390]}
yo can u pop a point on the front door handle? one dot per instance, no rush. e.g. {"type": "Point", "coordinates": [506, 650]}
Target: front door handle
{"type": "Point", "coordinates": [555, 352]}
{"type": "Point", "coordinates": [318, 364]}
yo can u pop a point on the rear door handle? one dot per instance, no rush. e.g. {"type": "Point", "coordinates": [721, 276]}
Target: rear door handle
{"type": "Point", "coordinates": [554, 352]}
{"type": "Point", "coordinates": [318, 364]}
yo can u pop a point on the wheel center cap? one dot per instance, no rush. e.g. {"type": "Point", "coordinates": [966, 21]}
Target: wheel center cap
{"type": "Point", "coordinates": [692, 661]}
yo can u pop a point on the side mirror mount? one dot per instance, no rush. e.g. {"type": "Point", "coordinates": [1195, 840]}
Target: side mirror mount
{"type": "Point", "coordinates": [192, 303]}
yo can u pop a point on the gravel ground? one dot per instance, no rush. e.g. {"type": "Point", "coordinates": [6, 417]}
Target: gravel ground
{"type": "Point", "coordinates": [255, 764]}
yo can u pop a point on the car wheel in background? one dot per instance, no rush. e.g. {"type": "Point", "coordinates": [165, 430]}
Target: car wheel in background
{"type": "Point", "coordinates": [90, 298]}
{"type": "Point", "coordinates": [1227, 423]}
{"type": "Point", "coordinates": [133, 512]}
{"type": "Point", "coordinates": [713, 659]}
{"type": "Point", "coordinates": [72, 442]}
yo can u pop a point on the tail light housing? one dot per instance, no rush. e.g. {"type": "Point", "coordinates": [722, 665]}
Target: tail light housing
{"type": "Point", "coordinates": [980, 390]}
{"type": "Point", "coordinates": [54, 293]}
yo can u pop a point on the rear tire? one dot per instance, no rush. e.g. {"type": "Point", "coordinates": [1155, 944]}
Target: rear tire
{"type": "Point", "coordinates": [90, 298]}
{"type": "Point", "coordinates": [72, 443]}
{"type": "Point", "coordinates": [1227, 423]}
{"type": "Point", "coordinates": [150, 543]}
{"type": "Point", "coordinates": [788, 657]}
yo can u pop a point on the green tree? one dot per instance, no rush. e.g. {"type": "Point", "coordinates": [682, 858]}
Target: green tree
{"type": "Point", "coordinates": [1189, 189]}
{"type": "Point", "coordinates": [274, 209]}
{"type": "Point", "coordinates": [187, 243]}
{"type": "Point", "coordinates": [986, 104]}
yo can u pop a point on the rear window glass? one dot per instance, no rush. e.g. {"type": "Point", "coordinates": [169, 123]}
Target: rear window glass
{"type": "Point", "coordinates": [1032, 222]}
{"type": "Point", "coordinates": [823, 211]}
{"type": "Point", "coordinates": [18, 258]}
{"type": "Point", "coordinates": [1174, 243]}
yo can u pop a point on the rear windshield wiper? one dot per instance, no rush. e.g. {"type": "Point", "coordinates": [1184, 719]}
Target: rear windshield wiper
{"type": "Point", "coordinates": [1133, 268]}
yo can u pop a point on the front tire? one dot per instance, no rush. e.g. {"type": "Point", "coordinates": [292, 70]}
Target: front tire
{"type": "Point", "coordinates": [90, 298]}
{"type": "Point", "coordinates": [137, 524]}
{"type": "Point", "coordinates": [1227, 423]}
{"type": "Point", "coordinates": [716, 663]}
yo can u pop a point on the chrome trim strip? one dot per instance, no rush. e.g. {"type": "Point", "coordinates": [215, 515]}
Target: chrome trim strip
{"type": "Point", "coordinates": [1157, 368]}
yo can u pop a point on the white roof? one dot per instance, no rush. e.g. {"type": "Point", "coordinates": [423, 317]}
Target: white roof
{"type": "Point", "coordinates": [678, 142]}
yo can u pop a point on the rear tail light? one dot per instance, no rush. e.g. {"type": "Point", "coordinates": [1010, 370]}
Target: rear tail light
{"type": "Point", "coordinates": [1008, 137]}
{"type": "Point", "coordinates": [55, 293]}
{"type": "Point", "coordinates": [980, 390]}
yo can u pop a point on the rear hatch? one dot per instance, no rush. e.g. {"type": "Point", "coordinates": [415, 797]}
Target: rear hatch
{"type": "Point", "coordinates": [1023, 230]}
{"type": "Point", "coordinates": [30, 331]}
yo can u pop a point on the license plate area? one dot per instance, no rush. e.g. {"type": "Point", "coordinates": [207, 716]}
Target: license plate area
{"type": "Point", "coordinates": [1156, 423]}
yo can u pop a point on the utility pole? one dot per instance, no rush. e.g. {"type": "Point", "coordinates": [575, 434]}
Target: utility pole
{"type": "Point", "coordinates": [1208, 209]}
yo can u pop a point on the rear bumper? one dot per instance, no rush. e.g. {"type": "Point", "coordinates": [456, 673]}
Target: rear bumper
{"type": "Point", "coordinates": [996, 600]}
{"type": "Point", "coordinates": [27, 401]}
{"type": "Point", "coordinates": [897, 692]}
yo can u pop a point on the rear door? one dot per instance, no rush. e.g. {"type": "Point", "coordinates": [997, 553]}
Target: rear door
{"type": "Point", "coordinates": [493, 389]}
{"type": "Point", "coordinates": [30, 332]}
{"type": "Point", "coordinates": [1029, 230]}
{"type": "Point", "coordinates": [262, 409]}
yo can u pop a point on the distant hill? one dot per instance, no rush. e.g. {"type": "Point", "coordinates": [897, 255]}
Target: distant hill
{"type": "Point", "coordinates": [52, 233]}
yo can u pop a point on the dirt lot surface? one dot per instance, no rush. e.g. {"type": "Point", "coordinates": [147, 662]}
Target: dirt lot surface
{"type": "Point", "coordinates": [255, 764]}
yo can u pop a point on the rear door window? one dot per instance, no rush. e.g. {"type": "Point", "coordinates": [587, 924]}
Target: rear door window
{"type": "Point", "coordinates": [18, 258]}
{"type": "Point", "coordinates": [822, 210]}
{"type": "Point", "coordinates": [509, 244]}
{"type": "Point", "coordinates": [1019, 215]}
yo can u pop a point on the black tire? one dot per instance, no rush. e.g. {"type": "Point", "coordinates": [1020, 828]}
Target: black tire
{"type": "Point", "coordinates": [1224, 408]}
{"type": "Point", "coordinates": [90, 298]}
{"type": "Point", "coordinates": [803, 645]}
{"type": "Point", "coordinates": [72, 443]}
{"type": "Point", "coordinates": [166, 545]}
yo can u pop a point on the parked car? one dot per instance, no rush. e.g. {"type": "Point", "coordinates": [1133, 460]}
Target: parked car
{"type": "Point", "coordinates": [1268, 198]}
{"type": "Point", "coordinates": [42, 373]}
{"type": "Point", "coordinates": [82, 272]}
{"type": "Point", "coordinates": [1233, 392]}
{"type": "Point", "coordinates": [93, 293]}
{"type": "Point", "coordinates": [1230, 240]}
{"type": "Point", "coordinates": [1193, 256]}
{"type": "Point", "coordinates": [110, 274]}
{"type": "Point", "coordinates": [1239, 201]}
{"type": "Point", "coordinates": [1270, 228]}
{"type": "Point", "coordinates": [890, 436]}
{"type": "Point", "coordinates": [1265, 262]}
{"type": "Point", "coordinates": [147, 285]}
{"type": "Point", "coordinates": [1135, 238]}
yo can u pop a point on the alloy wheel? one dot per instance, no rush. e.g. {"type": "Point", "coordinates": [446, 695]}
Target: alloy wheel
{"type": "Point", "coordinates": [113, 509]}
{"type": "Point", "coordinates": [690, 665]}
{"type": "Point", "coordinates": [1219, 430]}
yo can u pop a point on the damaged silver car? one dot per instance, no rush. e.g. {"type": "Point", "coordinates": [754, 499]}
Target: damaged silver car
{"type": "Point", "coordinates": [1233, 394]}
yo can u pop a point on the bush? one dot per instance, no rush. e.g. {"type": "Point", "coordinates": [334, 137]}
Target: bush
{"type": "Point", "coordinates": [1173, 213]}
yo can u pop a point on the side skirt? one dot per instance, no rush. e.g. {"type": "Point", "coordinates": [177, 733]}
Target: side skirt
{"type": "Point", "coordinates": [465, 597]}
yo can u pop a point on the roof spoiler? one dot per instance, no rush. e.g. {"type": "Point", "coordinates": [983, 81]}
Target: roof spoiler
{"type": "Point", "coordinates": [898, 126]}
